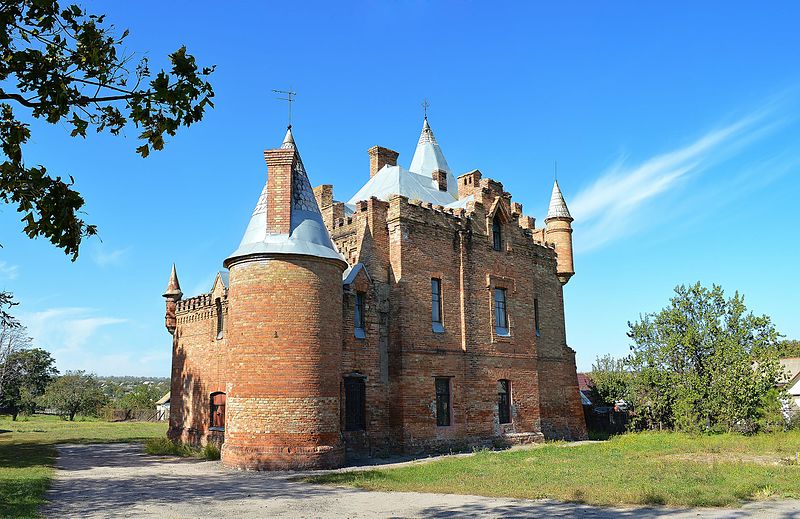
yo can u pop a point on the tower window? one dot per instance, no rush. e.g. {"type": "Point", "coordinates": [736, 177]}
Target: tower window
{"type": "Point", "coordinates": [217, 411]}
{"type": "Point", "coordinates": [436, 304]}
{"type": "Point", "coordinates": [500, 312]}
{"type": "Point", "coordinates": [497, 234]}
{"type": "Point", "coordinates": [504, 401]}
{"type": "Point", "coordinates": [442, 401]}
{"type": "Point", "coordinates": [220, 319]}
{"type": "Point", "coordinates": [536, 317]}
{"type": "Point", "coordinates": [358, 315]}
{"type": "Point", "coordinates": [355, 404]}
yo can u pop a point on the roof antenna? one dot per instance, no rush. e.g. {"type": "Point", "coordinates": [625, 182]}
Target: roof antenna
{"type": "Point", "coordinates": [425, 106]}
{"type": "Point", "coordinates": [555, 171]}
{"type": "Point", "coordinates": [288, 99]}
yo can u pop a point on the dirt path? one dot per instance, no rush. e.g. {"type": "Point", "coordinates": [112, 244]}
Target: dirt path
{"type": "Point", "coordinates": [118, 480]}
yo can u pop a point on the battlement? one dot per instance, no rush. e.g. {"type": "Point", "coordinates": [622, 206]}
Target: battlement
{"type": "Point", "coordinates": [202, 301]}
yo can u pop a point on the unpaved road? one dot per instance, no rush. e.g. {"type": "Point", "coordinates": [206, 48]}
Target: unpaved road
{"type": "Point", "coordinates": [118, 480]}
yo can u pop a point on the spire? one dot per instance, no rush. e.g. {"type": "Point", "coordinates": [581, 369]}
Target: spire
{"type": "Point", "coordinates": [173, 287]}
{"type": "Point", "coordinates": [286, 219]}
{"type": "Point", "coordinates": [428, 157]}
{"type": "Point", "coordinates": [558, 207]}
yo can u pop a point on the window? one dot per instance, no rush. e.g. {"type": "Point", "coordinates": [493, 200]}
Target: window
{"type": "Point", "coordinates": [536, 317]}
{"type": "Point", "coordinates": [504, 401]}
{"type": "Point", "coordinates": [436, 304]}
{"type": "Point", "coordinates": [497, 234]}
{"type": "Point", "coordinates": [218, 411]}
{"type": "Point", "coordinates": [442, 401]}
{"type": "Point", "coordinates": [220, 318]}
{"type": "Point", "coordinates": [355, 402]}
{"type": "Point", "coordinates": [500, 312]}
{"type": "Point", "coordinates": [358, 316]}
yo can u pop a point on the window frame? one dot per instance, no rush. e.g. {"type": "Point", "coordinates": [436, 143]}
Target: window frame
{"type": "Point", "coordinates": [537, 324]}
{"type": "Point", "coordinates": [220, 318]}
{"type": "Point", "coordinates": [214, 407]}
{"type": "Point", "coordinates": [359, 317]}
{"type": "Point", "coordinates": [502, 327]}
{"type": "Point", "coordinates": [357, 422]}
{"type": "Point", "coordinates": [497, 234]}
{"type": "Point", "coordinates": [437, 306]}
{"type": "Point", "coordinates": [504, 415]}
{"type": "Point", "coordinates": [444, 414]}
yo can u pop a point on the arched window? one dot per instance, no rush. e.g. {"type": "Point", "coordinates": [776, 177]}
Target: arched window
{"type": "Point", "coordinates": [217, 410]}
{"type": "Point", "coordinates": [497, 234]}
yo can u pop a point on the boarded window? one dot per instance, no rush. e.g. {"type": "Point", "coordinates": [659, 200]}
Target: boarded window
{"type": "Point", "coordinates": [218, 410]}
{"type": "Point", "coordinates": [500, 312]}
{"type": "Point", "coordinates": [442, 401]}
{"type": "Point", "coordinates": [504, 401]}
{"type": "Point", "coordinates": [436, 300]}
{"type": "Point", "coordinates": [536, 317]}
{"type": "Point", "coordinates": [358, 314]}
{"type": "Point", "coordinates": [355, 404]}
{"type": "Point", "coordinates": [497, 235]}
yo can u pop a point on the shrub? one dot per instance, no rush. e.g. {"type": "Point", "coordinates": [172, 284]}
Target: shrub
{"type": "Point", "coordinates": [163, 446]}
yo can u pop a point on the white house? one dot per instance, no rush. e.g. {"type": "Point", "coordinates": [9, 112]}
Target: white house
{"type": "Point", "coordinates": [791, 366]}
{"type": "Point", "coordinates": [162, 408]}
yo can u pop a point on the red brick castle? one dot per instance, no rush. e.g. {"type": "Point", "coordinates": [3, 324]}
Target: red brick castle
{"type": "Point", "coordinates": [424, 314]}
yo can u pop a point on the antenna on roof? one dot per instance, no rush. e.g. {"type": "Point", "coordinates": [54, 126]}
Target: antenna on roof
{"type": "Point", "coordinates": [425, 106]}
{"type": "Point", "coordinates": [288, 99]}
{"type": "Point", "coordinates": [555, 171]}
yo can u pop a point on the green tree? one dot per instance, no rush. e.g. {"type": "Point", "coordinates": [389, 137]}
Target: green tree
{"type": "Point", "coordinates": [142, 398]}
{"type": "Point", "coordinates": [704, 363]}
{"type": "Point", "coordinates": [788, 348]}
{"type": "Point", "coordinates": [25, 375]}
{"type": "Point", "coordinates": [610, 380]}
{"type": "Point", "coordinates": [74, 392]}
{"type": "Point", "coordinates": [68, 67]}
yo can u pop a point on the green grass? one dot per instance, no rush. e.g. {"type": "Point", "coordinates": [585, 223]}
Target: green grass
{"type": "Point", "coordinates": [634, 469]}
{"type": "Point", "coordinates": [162, 446]}
{"type": "Point", "coordinates": [27, 453]}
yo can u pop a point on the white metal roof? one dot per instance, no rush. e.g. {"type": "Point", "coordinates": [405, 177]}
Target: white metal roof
{"type": "Point", "coordinates": [307, 235]}
{"type": "Point", "coordinates": [558, 207]}
{"type": "Point", "coordinates": [396, 180]}
{"type": "Point", "coordinates": [428, 157]}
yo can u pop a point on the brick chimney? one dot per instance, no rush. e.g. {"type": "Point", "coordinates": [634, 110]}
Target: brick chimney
{"type": "Point", "coordinates": [380, 157]}
{"type": "Point", "coordinates": [279, 185]}
{"type": "Point", "coordinates": [468, 183]}
{"type": "Point", "coordinates": [440, 177]}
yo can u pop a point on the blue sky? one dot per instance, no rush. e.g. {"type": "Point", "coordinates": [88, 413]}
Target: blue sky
{"type": "Point", "coordinates": [674, 126]}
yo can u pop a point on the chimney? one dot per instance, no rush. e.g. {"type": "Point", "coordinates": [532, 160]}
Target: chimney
{"type": "Point", "coordinates": [280, 163]}
{"type": "Point", "coordinates": [440, 177]}
{"type": "Point", "coordinates": [468, 183]}
{"type": "Point", "coordinates": [380, 157]}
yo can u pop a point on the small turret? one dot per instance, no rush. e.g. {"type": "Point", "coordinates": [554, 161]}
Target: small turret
{"type": "Point", "coordinates": [173, 294]}
{"type": "Point", "coordinates": [558, 230]}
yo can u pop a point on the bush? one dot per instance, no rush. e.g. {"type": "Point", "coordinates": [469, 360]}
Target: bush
{"type": "Point", "coordinates": [211, 452]}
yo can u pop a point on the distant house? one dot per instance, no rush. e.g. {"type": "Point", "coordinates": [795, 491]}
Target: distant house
{"type": "Point", "coordinates": [585, 385]}
{"type": "Point", "coordinates": [791, 366]}
{"type": "Point", "coordinates": [162, 408]}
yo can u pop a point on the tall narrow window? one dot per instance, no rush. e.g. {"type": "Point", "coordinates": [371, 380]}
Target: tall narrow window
{"type": "Point", "coordinates": [217, 411]}
{"type": "Point", "coordinates": [504, 401]}
{"type": "Point", "coordinates": [436, 304]}
{"type": "Point", "coordinates": [220, 319]}
{"type": "Point", "coordinates": [355, 415]}
{"type": "Point", "coordinates": [497, 234]}
{"type": "Point", "coordinates": [536, 317]}
{"type": "Point", "coordinates": [500, 312]}
{"type": "Point", "coordinates": [442, 401]}
{"type": "Point", "coordinates": [358, 316]}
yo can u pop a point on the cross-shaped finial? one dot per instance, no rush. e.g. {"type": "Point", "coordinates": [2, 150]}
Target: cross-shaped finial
{"type": "Point", "coordinates": [425, 106]}
{"type": "Point", "coordinates": [288, 99]}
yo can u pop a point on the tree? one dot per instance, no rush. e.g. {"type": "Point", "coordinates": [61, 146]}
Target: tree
{"type": "Point", "coordinates": [25, 375]}
{"type": "Point", "coordinates": [788, 348]}
{"type": "Point", "coordinates": [68, 67]}
{"type": "Point", "coordinates": [704, 363]}
{"type": "Point", "coordinates": [142, 398]}
{"type": "Point", "coordinates": [72, 393]}
{"type": "Point", "coordinates": [610, 380]}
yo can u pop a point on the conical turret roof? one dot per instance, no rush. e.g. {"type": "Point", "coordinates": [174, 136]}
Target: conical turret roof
{"type": "Point", "coordinates": [307, 236]}
{"type": "Point", "coordinates": [173, 286]}
{"type": "Point", "coordinates": [428, 157]}
{"type": "Point", "coordinates": [558, 207]}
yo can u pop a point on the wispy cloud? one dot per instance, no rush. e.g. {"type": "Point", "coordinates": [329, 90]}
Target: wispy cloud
{"type": "Point", "coordinates": [66, 330]}
{"type": "Point", "coordinates": [614, 206]}
{"type": "Point", "coordinates": [105, 258]}
{"type": "Point", "coordinates": [8, 271]}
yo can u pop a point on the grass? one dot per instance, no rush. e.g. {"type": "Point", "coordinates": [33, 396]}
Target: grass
{"type": "Point", "coordinates": [634, 469]}
{"type": "Point", "coordinates": [162, 446]}
{"type": "Point", "coordinates": [28, 452]}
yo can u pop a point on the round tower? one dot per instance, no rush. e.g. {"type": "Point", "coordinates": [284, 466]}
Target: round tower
{"type": "Point", "coordinates": [558, 230]}
{"type": "Point", "coordinates": [284, 329]}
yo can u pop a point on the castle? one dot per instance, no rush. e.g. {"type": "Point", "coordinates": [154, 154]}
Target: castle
{"type": "Point", "coordinates": [424, 314]}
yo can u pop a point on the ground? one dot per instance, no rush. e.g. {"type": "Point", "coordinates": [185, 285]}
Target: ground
{"type": "Point", "coordinates": [118, 480]}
